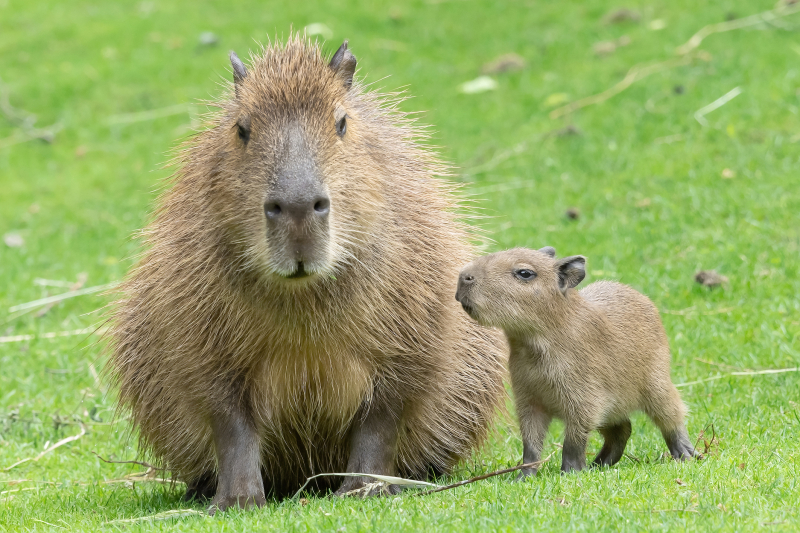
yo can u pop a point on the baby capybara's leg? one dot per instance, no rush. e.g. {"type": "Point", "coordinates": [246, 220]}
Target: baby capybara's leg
{"type": "Point", "coordinates": [615, 437]}
{"type": "Point", "coordinates": [680, 447]}
{"type": "Point", "coordinates": [574, 453]}
{"type": "Point", "coordinates": [667, 411]}
{"type": "Point", "coordinates": [533, 421]}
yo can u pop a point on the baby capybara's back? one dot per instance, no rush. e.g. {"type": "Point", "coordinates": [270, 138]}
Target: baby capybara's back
{"type": "Point", "coordinates": [639, 338]}
{"type": "Point", "coordinates": [292, 313]}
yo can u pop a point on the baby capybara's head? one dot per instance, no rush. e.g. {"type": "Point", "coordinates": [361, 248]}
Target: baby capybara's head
{"type": "Point", "coordinates": [518, 288]}
{"type": "Point", "coordinates": [294, 179]}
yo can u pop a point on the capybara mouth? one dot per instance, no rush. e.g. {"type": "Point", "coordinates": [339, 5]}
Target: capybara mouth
{"type": "Point", "coordinates": [299, 273]}
{"type": "Point", "coordinates": [469, 309]}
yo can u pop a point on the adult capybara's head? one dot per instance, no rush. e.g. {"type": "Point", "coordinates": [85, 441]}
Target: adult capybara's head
{"type": "Point", "coordinates": [518, 288]}
{"type": "Point", "coordinates": [297, 162]}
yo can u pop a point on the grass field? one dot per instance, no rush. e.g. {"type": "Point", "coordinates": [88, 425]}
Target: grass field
{"type": "Point", "coordinates": [660, 194]}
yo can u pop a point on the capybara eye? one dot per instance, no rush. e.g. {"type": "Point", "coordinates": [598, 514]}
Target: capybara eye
{"type": "Point", "coordinates": [243, 128]}
{"type": "Point", "coordinates": [524, 274]}
{"type": "Point", "coordinates": [244, 133]}
{"type": "Point", "coordinates": [341, 126]}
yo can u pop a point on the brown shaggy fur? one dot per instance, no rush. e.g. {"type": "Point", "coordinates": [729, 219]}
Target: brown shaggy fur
{"type": "Point", "coordinates": [589, 357]}
{"type": "Point", "coordinates": [207, 314]}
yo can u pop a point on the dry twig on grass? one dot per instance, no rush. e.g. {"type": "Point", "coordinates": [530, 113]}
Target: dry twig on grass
{"type": "Point", "coordinates": [52, 335]}
{"type": "Point", "coordinates": [48, 450]}
{"type": "Point", "coordinates": [740, 374]}
{"type": "Point", "coordinates": [79, 283]}
{"type": "Point", "coordinates": [486, 476]}
{"type": "Point", "coordinates": [63, 296]}
{"type": "Point", "coordinates": [140, 463]}
{"type": "Point", "coordinates": [686, 55]}
{"type": "Point", "coordinates": [736, 24]}
{"type": "Point", "coordinates": [636, 73]}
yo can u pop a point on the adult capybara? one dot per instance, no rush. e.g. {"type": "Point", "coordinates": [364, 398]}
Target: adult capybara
{"type": "Point", "coordinates": [589, 357]}
{"type": "Point", "coordinates": [292, 313]}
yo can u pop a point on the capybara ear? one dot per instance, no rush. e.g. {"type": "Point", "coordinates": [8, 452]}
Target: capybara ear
{"type": "Point", "coordinates": [571, 271]}
{"type": "Point", "coordinates": [343, 64]}
{"type": "Point", "coordinates": [239, 71]}
{"type": "Point", "coordinates": [548, 250]}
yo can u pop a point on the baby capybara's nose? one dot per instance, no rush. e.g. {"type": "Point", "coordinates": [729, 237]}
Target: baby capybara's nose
{"type": "Point", "coordinates": [465, 279]}
{"type": "Point", "coordinates": [298, 208]}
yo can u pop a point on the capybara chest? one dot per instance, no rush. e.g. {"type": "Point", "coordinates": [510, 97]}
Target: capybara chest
{"type": "Point", "coordinates": [306, 388]}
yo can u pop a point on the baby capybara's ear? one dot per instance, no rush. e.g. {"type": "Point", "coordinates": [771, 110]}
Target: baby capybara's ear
{"type": "Point", "coordinates": [571, 271]}
{"type": "Point", "coordinates": [548, 250]}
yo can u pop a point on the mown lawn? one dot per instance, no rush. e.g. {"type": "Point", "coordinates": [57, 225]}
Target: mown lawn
{"type": "Point", "coordinates": [660, 196]}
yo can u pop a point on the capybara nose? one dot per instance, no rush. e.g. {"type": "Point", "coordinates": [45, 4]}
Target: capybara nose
{"type": "Point", "coordinates": [298, 209]}
{"type": "Point", "coordinates": [465, 279]}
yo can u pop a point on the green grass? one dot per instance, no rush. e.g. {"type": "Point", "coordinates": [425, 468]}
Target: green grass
{"type": "Point", "coordinates": [652, 214]}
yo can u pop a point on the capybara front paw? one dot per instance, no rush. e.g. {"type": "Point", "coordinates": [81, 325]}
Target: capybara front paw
{"type": "Point", "coordinates": [223, 502]}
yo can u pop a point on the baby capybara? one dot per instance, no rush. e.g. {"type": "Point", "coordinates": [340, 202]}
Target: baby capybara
{"type": "Point", "coordinates": [292, 312]}
{"type": "Point", "coordinates": [589, 357]}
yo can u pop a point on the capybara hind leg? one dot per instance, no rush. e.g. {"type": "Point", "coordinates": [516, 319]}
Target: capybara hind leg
{"type": "Point", "coordinates": [615, 438]}
{"type": "Point", "coordinates": [573, 457]}
{"type": "Point", "coordinates": [680, 447]}
{"type": "Point", "coordinates": [373, 448]}
{"type": "Point", "coordinates": [238, 461]}
{"type": "Point", "coordinates": [667, 412]}
{"type": "Point", "coordinates": [533, 421]}
{"type": "Point", "coordinates": [202, 488]}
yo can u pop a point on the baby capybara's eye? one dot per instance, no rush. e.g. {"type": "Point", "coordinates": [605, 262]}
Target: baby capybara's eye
{"type": "Point", "coordinates": [524, 274]}
{"type": "Point", "coordinates": [244, 133]}
{"type": "Point", "coordinates": [341, 126]}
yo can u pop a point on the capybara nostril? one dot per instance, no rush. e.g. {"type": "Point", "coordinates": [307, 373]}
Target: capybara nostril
{"type": "Point", "coordinates": [322, 207]}
{"type": "Point", "coordinates": [272, 210]}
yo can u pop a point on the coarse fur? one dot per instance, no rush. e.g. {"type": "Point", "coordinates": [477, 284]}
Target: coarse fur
{"type": "Point", "coordinates": [215, 340]}
{"type": "Point", "coordinates": [589, 357]}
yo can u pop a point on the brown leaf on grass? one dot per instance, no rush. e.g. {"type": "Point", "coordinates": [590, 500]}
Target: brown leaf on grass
{"type": "Point", "coordinates": [622, 15]}
{"type": "Point", "coordinates": [710, 278]}
{"type": "Point", "coordinates": [680, 482]}
{"type": "Point", "coordinates": [604, 48]}
{"type": "Point", "coordinates": [573, 213]}
{"type": "Point", "coordinates": [567, 131]}
{"type": "Point", "coordinates": [504, 63]}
